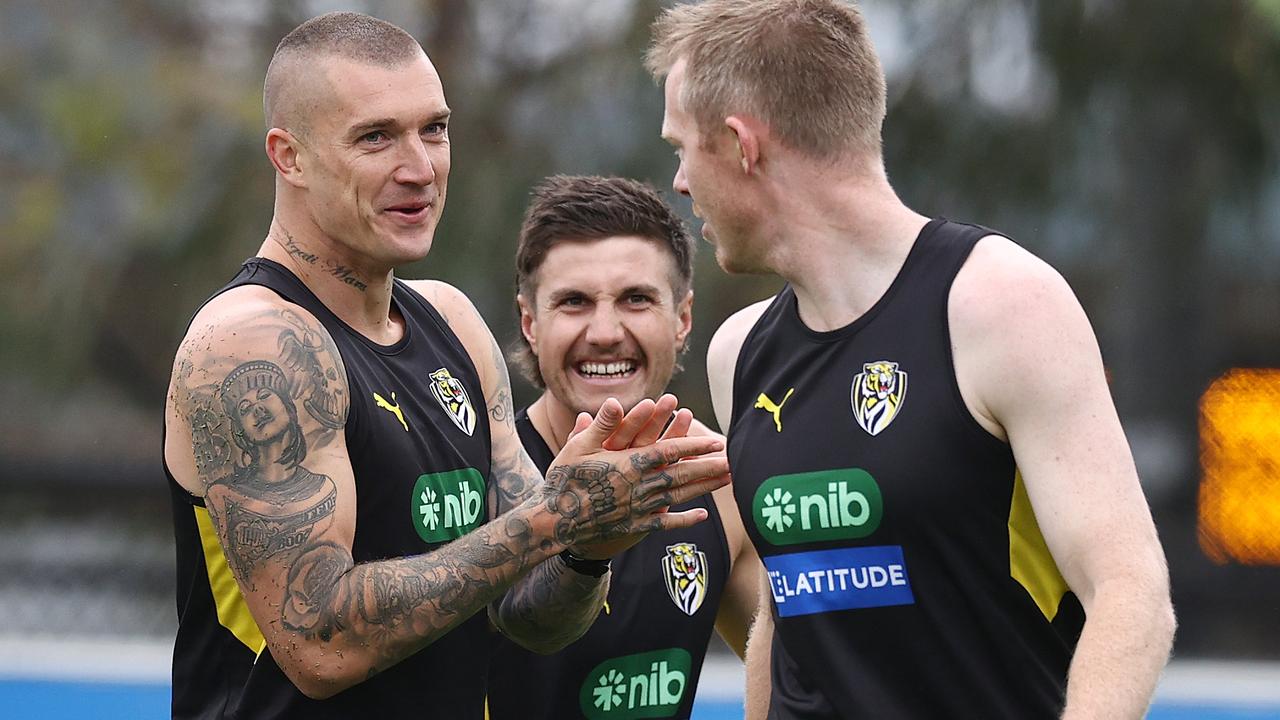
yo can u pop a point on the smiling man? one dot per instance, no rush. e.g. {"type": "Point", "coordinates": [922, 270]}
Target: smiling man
{"type": "Point", "coordinates": [348, 486]}
{"type": "Point", "coordinates": [603, 270]}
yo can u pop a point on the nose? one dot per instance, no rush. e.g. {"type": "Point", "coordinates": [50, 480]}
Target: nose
{"type": "Point", "coordinates": [679, 183]}
{"type": "Point", "coordinates": [416, 166]}
{"type": "Point", "coordinates": [605, 328]}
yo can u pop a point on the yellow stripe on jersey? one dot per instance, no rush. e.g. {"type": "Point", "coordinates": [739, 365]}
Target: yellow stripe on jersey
{"type": "Point", "coordinates": [1029, 560]}
{"type": "Point", "coordinates": [233, 613]}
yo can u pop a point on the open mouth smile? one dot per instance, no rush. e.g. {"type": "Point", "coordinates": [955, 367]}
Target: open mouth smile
{"type": "Point", "coordinates": [612, 370]}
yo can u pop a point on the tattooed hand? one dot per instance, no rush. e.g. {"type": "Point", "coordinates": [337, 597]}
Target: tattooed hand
{"type": "Point", "coordinates": [608, 500]}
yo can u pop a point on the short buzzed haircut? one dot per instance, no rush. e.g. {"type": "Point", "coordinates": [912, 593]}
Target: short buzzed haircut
{"type": "Point", "coordinates": [348, 35]}
{"type": "Point", "coordinates": [806, 68]}
{"type": "Point", "coordinates": [577, 208]}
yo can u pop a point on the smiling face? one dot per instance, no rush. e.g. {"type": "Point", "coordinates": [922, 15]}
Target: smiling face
{"type": "Point", "coordinates": [604, 321]}
{"type": "Point", "coordinates": [375, 157]}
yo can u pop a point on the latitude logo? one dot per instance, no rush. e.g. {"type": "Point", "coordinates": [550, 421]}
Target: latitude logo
{"type": "Point", "coordinates": [645, 685]}
{"type": "Point", "coordinates": [824, 505]}
{"type": "Point", "coordinates": [448, 505]}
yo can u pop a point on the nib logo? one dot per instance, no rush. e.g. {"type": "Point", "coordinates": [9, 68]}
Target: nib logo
{"type": "Point", "coordinates": [448, 505]}
{"type": "Point", "coordinates": [777, 510]}
{"type": "Point", "coordinates": [430, 509]}
{"type": "Point", "coordinates": [824, 505]}
{"type": "Point", "coordinates": [645, 685]}
{"type": "Point", "coordinates": [611, 689]}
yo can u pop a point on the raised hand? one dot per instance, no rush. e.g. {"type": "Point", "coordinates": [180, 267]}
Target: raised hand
{"type": "Point", "coordinates": [607, 500]}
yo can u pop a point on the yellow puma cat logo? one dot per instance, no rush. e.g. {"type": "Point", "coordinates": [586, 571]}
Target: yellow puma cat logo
{"type": "Point", "coordinates": [764, 403]}
{"type": "Point", "coordinates": [393, 409]}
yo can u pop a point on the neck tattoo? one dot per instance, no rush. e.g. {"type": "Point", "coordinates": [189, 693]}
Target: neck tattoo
{"type": "Point", "coordinates": [343, 273]}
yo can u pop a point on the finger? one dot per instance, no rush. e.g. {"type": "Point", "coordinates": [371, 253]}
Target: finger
{"type": "Point", "coordinates": [680, 424]}
{"type": "Point", "coordinates": [696, 489]}
{"type": "Point", "coordinates": [633, 424]}
{"type": "Point", "coordinates": [635, 418]}
{"type": "Point", "coordinates": [602, 426]}
{"type": "Point", "coordinates": [676, 520]}
{"type": "Point", "coordinates": [666, 452]}
{"type": "Point", "coordinates": [582, 423]}
{"type": "Point", "coordinates": [658, 419]}
{"type": "Point", "coordinates": [684, 472]}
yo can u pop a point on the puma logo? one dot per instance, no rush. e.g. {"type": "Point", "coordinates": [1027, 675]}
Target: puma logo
{"type": "Point", "coordinates": [393, 409]}
{"type": "Point", "coordinates": [764, 403]}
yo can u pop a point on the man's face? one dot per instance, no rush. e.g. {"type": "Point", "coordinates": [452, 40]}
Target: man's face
{"type": "Point", "coordinates": [604, 322]}
{"type": "Point", "coordinates": [710, 174]}
{"type": "Point", "coordinates": [376, 158]}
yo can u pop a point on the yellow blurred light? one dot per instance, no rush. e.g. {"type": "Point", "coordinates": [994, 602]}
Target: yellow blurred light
{"type": "Point", "coordinates": [1240, 468]}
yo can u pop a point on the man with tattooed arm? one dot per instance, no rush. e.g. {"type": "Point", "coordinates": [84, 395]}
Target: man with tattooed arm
{"type": "Point", "coordinates": [348, 485]}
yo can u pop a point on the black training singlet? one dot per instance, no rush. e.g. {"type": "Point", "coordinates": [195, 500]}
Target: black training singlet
{"type": "Point", "coordinates": [643, 655]}
{"type": "Point", "coordinates": [419, 483]}
{"type": "Point", "coordinates": [909, 576]}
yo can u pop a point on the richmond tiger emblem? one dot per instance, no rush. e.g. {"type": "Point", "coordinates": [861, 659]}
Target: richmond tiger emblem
{"type": "Point", "coordinates": [877, 395]}
{"type": "Point", "coordinates": [685, 570]}
{"type": "Point", "coordinates": [452, 396]}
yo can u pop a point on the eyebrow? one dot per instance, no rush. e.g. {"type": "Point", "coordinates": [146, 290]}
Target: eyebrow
{"type": "Point", "coordinates": [369, 126]}
{"type": "Point", "coordinates": [642, 290]}
{"type": "Point", "coordinates": [560, 295]}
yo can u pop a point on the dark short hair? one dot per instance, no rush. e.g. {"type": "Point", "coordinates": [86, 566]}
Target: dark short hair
{"type": "Point", "coordinates": [582, 208]}
{"type": "Point", "coordinates": [349, 35]}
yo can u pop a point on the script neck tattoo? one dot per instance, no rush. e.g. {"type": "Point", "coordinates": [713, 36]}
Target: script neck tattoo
{"type": "Point", "coordinates": [344, 274]}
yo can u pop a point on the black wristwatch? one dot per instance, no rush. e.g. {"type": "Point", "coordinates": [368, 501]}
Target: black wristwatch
{"type": "Point", "coordinates": [585, 566]}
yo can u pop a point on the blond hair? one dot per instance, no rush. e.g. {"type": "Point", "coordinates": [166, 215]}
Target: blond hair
{"type": "Point", "coordinates": [806, 68]}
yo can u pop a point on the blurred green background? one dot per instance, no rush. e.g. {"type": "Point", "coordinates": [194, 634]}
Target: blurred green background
{"type": "Point", "coordinates": [1134, 144]}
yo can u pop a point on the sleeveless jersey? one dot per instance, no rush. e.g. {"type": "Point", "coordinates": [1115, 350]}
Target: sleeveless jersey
{"type": "Point", "coordinates": [909, 576]}
{"type": "Point", "coordinates": [421, 475]}
{"type": "Point", "coordinates": [643, 655]}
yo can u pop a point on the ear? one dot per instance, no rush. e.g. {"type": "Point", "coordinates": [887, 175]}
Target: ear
{"type": "Point", "coordinates": [284, 150]}
{"type": "Point", "coordinates": [747, 137]}
{"type": "Point", "coordinates": [528, 323]}
{"type": "Point", "coordinates": [684, 316]}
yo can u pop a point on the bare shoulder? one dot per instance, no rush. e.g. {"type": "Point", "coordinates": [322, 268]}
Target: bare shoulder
{"type": "Point", "coordinates": [722, 357]}
{"type": "Point", "coordinates": [1002, 281]}
{"type": "Point", "coordinates": [457, 310]}
{"type": "Point", "coordinates": [1016, 329]}
{"type": "Point", "coordinates": [244, 343]}
{"type": "Point", "coordinates": [727, 341]}
{"type": "Point", "coordinates": [451, 302]}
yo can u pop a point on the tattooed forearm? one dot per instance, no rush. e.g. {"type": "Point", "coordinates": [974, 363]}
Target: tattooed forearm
{"type": "Point", "coordinates": [551, 606]}
{"type": "Point", "coordinates": [386, 610]}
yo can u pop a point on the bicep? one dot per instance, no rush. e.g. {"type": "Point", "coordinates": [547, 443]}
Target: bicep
{"type": "Point", "coordinates": [256, 411]}
{"type": "Point", "coordinates": [1042, 381]}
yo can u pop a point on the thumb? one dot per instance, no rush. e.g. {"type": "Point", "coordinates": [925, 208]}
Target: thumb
{"type": "Point", "coordinates": [605, 422]}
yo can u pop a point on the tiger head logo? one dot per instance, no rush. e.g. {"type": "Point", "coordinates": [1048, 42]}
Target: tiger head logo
{"type": "Point", "coordinates": [877, 395]}
{"type": "Point", "coordinates": [685, 570]}
{"type": "Point", "coordinates": [452, 396]}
